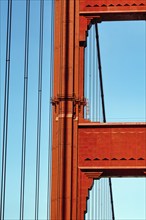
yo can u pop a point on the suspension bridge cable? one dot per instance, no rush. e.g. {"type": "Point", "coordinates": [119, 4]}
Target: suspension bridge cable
{"type": "Point", "coordinates": [6, 111]}
{"type": "Point", "coordinates": [39, 110]}
{"type": "Point", "coordinates": [100, 72]}
{"type": "Point", "coordinates": [50, 114]}
{"type": "Point", "coordinates": [103, 106]}
{"type": "Point", "coordinates": [87, 81]}
{"type": "Point", "coordinates": [94, 78]}
{"type": "Point", "coordinates": [24, 122]}
{"type": "Point", "coordinates": [90, 75]}
{"type": "Point", "coordinates": [111, 197]}
{"type": "Point", "coordinates": [97, 86]}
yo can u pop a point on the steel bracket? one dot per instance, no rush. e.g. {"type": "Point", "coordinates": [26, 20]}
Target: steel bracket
{"type": "Point", "coordinates": [72, 98]}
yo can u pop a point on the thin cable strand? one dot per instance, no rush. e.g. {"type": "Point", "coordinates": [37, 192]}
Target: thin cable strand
{"type": "Point", "coordinates": [6, 111]}
{"type": "Point", "coordinates": [100, 73]}
{"type": "Point", "coordinates": [24, 123]}
{"type": "Point", "coordinates": [39, 110]}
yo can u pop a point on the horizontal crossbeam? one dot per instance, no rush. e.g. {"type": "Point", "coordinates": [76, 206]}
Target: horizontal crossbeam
{"type": "Point", "coordinates": [114, 149]}
{"type": "Point", "coordinates": [112, 6]}
{"type": "Point", "coordinates": [92, 11]}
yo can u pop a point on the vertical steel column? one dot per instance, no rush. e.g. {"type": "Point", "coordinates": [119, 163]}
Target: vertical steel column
{"type": "Point", "coordinates": [65, 112]}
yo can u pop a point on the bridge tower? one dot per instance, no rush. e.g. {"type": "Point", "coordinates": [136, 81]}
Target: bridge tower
{"type": "Point", "coordinates": [83, 150]}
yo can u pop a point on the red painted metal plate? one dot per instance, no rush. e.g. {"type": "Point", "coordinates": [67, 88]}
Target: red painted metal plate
{"type": "Point", "coordinates": [119, 148]}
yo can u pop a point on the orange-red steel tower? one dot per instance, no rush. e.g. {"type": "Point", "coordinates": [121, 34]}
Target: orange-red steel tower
{"type": "Point", "coordinates": [83, 150]}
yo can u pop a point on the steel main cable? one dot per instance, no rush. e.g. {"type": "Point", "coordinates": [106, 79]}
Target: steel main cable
{"type": "Point", "coordinates": [24, 120]}
{"type": "Point", "coordinates": [6, 111]}
{"type": "Point", "coordinates": [39, 110]}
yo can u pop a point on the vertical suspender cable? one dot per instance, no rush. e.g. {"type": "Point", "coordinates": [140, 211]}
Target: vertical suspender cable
{"type": "Point", "coordinates": [145, 70]}
{"type": "Point", "coordinates": [99, 199]}
{"type": "Point", "coordinates": [39, 110]}
{"type": "Point", "coordinates": [103, 107]}
{"type": "Point", "coordinates": [85, 109]}
{"type": "Point", "coordinates": [93, 79]}
{"type": "Point", "coordinates": [87, 80]}
{"type": "Point", "coordinates": [96, 83]}
{"type": "Point", "coordinates": [50, 115]}
{"type": "Point", "coordinates": [6, 112]}
{"type": "Point", "coordinates": [93, 112]}
{"type": "Point", "coordinates": [24, 123]}
{"type": "Point", "coordinates": [90, 75]}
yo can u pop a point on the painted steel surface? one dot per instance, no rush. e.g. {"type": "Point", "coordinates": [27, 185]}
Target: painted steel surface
{"type": "Point", "coordinates": [116, 149]}
{"type": "Point", "coordinates": [73, 168]}
{"type": "Point", "coordinates": [109, 150]}
{"type": "Point", "coordinates": [109, 10]}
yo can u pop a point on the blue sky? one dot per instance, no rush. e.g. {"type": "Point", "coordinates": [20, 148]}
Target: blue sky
{"type": "Point", "coordinates": [123, 52]}
{"type": "Point", "coordinates": [16, 102]}
{"type": "Point", "coordinates": [123, 55]}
